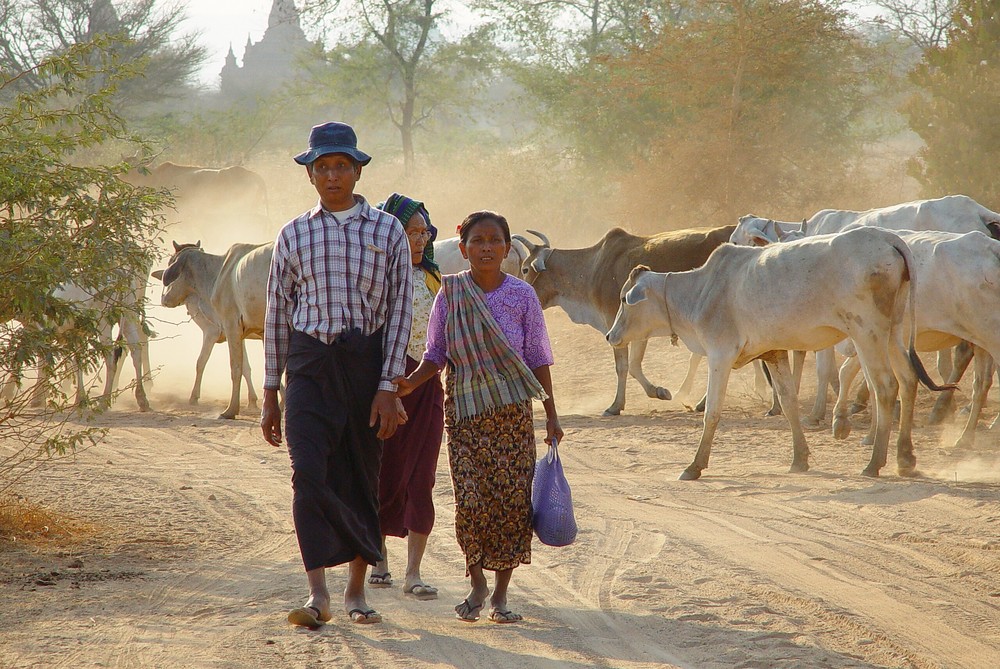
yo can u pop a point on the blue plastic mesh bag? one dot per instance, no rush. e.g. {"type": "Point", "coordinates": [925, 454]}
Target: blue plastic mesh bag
{"type": "Point", "coordinates": [552, 501]}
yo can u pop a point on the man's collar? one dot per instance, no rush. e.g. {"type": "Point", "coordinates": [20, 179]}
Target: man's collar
{"type": "Point", "coordinates": [366, 210]}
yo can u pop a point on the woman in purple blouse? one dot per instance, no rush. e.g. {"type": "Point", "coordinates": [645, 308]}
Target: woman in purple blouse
{"type": "Point", "coordinates": [486, 328]}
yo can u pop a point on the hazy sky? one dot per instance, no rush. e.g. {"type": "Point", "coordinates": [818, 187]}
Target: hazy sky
{"type": "Point", "coordinates": [225, 22]}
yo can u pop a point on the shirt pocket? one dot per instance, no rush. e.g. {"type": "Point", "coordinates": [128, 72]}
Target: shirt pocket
{"type": "Point", "coordinates": [372, 272]}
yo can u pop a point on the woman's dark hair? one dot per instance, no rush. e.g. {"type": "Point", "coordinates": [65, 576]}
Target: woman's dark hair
{"type": "Point", "coordinates": [486, 215]}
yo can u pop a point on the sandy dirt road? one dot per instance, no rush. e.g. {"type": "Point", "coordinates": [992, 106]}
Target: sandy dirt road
{"type": "Point", "coordinates": [184, 554]}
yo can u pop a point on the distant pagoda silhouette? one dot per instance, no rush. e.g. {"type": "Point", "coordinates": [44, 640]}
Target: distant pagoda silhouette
{"type": "Point", "coordinates": [271, 62]}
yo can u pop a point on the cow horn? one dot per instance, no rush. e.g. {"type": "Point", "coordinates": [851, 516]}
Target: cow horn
{"type": "Point", "coordinates": [519, 238]}
{"type": "Point", "coordinates": [545, 240]}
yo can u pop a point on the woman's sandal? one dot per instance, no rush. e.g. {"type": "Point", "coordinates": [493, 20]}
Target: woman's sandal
{"type": "Point", "coordinates": [380, 580]}
{"type": "Point", "coordinates": [467, 611]}
{"type": "Point", "coordinates": [422, 591]}
{"type": "Point", "coordinates": [505, 616]}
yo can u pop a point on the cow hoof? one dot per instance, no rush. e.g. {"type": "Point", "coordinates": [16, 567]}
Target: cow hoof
{"type": "Point", "coordinates": [663, 394]}
{"type": "Point", "coordinates": [811, 423]}
{"type": "Point", "coordinates": [690, 474]}
{"type": "Point", "coordinates": [841, 428]}
{"type": "Point", "coordinates": [908, 472]}
{"type": "Point", "coordinates": [773, 411]}
{"type": "Point", "coordinates": [867, 440]}
{"type": "Point", "coordinates": [870, 471]}
{"type": "Point", "coordinates": [227, 416]}
{"type": "Point", "coordinates": [798, 468]}
{"type": "Point", "coordinates": [143, 408]}
{"type": "Point", "coordinates": [611, 411]}
{"type": "Point", "coordinates": [193, 401]}
{"type": "Point", "coordinates": [965, 443]}
{"type": "Point", "coordinates": [252, 406]}
{"type": "Point", "coordinates": [856, 408]}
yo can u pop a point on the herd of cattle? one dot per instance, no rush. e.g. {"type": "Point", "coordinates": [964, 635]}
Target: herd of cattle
{"type": "Point", "coordinates": [874, 286]}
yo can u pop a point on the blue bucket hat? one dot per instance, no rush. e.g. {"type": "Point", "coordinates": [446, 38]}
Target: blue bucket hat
{"type": "Point", "coordinates": [332, 137]}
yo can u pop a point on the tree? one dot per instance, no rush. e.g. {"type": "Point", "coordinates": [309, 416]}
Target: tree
{"type": "Point", "coordinates": [34, 30]}
{"type": "Point", "coordinates": [396, 54]}
{"type": "Point", "coordinates": [574, 32]}
{"type": "Point", "coordinates": [924, 22]}
{"type": "Point", "coordinates": [955, 111]}
{"type": "Point", "coordinates": [63, 219]}
{"type": "Point", "coordinates": [746, 105]}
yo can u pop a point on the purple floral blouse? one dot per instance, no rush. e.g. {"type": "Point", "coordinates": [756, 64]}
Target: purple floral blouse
{"type": "Point", "coordinates": [515, 308]}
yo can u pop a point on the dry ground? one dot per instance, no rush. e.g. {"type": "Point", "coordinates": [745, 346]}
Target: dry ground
{"type": "Point", "coordinates": [181, 552]}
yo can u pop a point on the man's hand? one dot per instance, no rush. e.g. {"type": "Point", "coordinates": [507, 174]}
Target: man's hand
{"type": "Point", "coordinates": [270, 418]}
{"type": "Point", "coordinates": [384, 413]}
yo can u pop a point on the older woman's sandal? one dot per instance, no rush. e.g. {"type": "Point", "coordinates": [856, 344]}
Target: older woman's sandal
{"type": "Point", "coordinates": [380, 580]}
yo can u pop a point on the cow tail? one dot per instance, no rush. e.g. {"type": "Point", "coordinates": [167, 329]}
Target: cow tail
{"type": "Point", "coordinates": [918, 366]}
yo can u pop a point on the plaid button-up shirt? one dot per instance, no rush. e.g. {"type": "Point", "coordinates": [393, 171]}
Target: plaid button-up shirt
{"type": "Point", "coordinates": [330, 275]}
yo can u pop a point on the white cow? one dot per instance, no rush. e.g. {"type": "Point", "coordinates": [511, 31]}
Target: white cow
{"type": "Point", "coordinates": [194, 291]}
{"type": "Point", "coordinates": [237, 295]}
{"type": "Point", "coordinates": [132, 331]}
{"type": "Point", "coordinates": [747, 303]}
{"type": "Point", "coordinates": [449, 257]}
{"type": "Point", "coordinates": [951, 213]}
{"type": "Point", "coordinates": [960, 276]}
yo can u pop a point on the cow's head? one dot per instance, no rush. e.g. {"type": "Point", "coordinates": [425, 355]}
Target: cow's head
{"type": "Point", "coordinates": [178, 284]}
{"type": "Point", "coordinates": [755, 231]}
{"type": "Point", "coordinates": [641, 312]}
{"type": "Point", "coordinates": [792, 235]}
{"type": "Point", "coordinates": [534, 265]}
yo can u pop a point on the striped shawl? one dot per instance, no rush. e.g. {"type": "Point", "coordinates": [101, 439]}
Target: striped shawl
{"type": "Point", "coordinates": [486, 372]}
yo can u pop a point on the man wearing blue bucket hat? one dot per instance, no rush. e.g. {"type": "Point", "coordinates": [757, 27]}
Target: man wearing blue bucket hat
{"type": "Point", "coordinates": [338, 319]}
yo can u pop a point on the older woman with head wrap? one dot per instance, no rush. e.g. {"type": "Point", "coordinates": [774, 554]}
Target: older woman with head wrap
{"type": "Point", "coordinates": [409, 458]}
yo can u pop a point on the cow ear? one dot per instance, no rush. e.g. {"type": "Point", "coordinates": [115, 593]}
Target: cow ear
{"type": "Point", "coordinates": [197, 244]}
{"type": "Point", "coordinates": [158, 274]}
{"type": "Point", "coordinates": [635, 295]}
{"type": "Point", "coordinates": [177, 247]}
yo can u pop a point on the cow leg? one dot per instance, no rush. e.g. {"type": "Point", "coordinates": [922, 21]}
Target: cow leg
{"type": "Point", "coordinates": [826, 372]}
{"type": "Point", "coordinates": [621, 369]}
{"type": "Point", "coordinates": [775, 409]}
{"type": "Point", "coordinates": [841, 421]}
{"type": "Point", "coordinates": [251, 393]}
{"type": "Point", "coordinates": [945, 403]}
{"type": "Point", "coordinates": [860, 402]}
{"type": "Point", "coordinates": [137, 342]}
{"type": "Point", "coordinates": [109, 367]}
{"type": "Point", "coordinates": [688, 382]}
{"type": "Point", "coordinates": [636, 352]}
{"type": "Point", "coordinates": [761, 384]}
{"type": "Point", "coordinates": [982, 380]}
{"type": "Point", "coordinates": [783, 381]}
{"type": "Point", "coordinates": [81, 391]}
{"type": "Point", "coordinates": [39, 392]}
{"type": "Point", "coordinates": [718, 379]}
{"type": "Point", "coordinates": [234, 337]}
{"type": "Point", "coordinates": [944, 363]}
{"type": "Point", "coordinates": [208, 339]}
{"type": "Point", "coordinates": [906, 377]}
{"type": "Point", "coordinates": [883, 386]}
